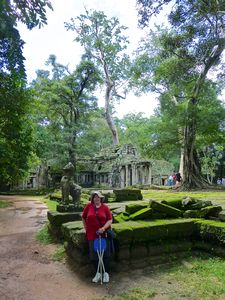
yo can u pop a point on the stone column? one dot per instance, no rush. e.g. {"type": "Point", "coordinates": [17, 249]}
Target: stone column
{"type": "Point", "coordinates": [122, 175]}
{"type": "Point", "coordinates": [133, 174]}
{"type": "Point", "coordinates": [149, 174]}
{"type": "Point", "coordinates": [127, 176]}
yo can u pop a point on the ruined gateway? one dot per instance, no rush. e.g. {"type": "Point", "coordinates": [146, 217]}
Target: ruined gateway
{"type": "Point", "coordinates": [116, 166]}
{"type": "Point", "coordinates": [121, 166]}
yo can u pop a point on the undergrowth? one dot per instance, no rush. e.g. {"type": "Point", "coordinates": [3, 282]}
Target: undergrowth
{"type": "Point", "coordinates": [59, 254]}
{"type": "Point", "coordinates": [43, 235]}
{"type": "Point", "coordinates": [5, 203]}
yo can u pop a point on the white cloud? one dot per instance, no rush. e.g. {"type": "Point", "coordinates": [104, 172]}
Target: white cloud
{"type": "Point", "coordinates": [54, 39]}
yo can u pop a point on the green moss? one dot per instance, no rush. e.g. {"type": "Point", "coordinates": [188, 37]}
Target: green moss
{"type": "Point", "coordinates": [134, 207]}
{"type": "Point", "coordinates": [211, 231]}
{"type": "Point", "coordinates": [210, 211]}
{"type": "Point", "coordinates": [142, 214]}
{"type": "Point", "coordinates": [192, 214]}
{"type": "Point", "coordinates": [163, 208]}
{"type": "Point", "coordinates": [124, 232]}
{"type": "Point", "coordinates": [177, 203]}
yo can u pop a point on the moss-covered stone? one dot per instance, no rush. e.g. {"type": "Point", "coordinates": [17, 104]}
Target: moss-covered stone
{"type": "Point", "coordinates": [167, 229]}
{"type": "Point", "coordinates": [132, 231]}
{"type": "Point", "coordinates": [121, 218]}
{"type": "Point", "coordinates": [79, 239]}
{"type": "Point", "coordinates": [177, 203]}
{"type": "Point", "coordinates": [211, 231]}
{"type": "Point", "coordinates": [192, 214]}
{"type": "Point", "coordinates": [144, 213]}
{"type": "Point", "coordinates": [124, 232]}
{"type": "Point", "coordinates": [68, 229]}
{"type": "Point", "coordinates": [127, 194]}
{"type": "Point", "coordinates": [139, 251]}
{"type": "Point", "coordinates": [132, 208]}
{"type": "Point", "coordinates": [163, 208]}
{"type": "Point", "coordinates": [57, 219]}
{"type": "Point", "coordinates": [191, 203]}
{"type": "Point", "coordinates": [210, 211]}
{"type": "Point", "coordinates": [221, 216]}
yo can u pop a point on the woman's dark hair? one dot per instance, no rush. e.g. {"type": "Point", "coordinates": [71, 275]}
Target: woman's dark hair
{"type": "Point", "coordinates": [98, 194]}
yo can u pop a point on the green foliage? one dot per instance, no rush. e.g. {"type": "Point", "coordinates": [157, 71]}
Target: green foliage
{"type": "Point", "coordinates": [15, 130]}
{"type": "Point", "coordinates": [178, 60]}
{"type": "Point", "coordinates": [15, 126]}
{"type": "Point", "coordinates": [63, 106]}
{"type": "Point", "coordinates": [210, 161]}
{"type": "Point", "coordinates": [43, 235]}
{"type": "Point", "coordinates": [4, 203]}
{"type": "Point", "coordinates": [105, 44]}
{"type": "Point", "coordinates": [51, 204]}
{"type": "Point", "coordinates": [103, 41]}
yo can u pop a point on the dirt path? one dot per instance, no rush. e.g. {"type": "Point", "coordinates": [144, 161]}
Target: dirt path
{"type": "Point", "coordinates": [26, 270]}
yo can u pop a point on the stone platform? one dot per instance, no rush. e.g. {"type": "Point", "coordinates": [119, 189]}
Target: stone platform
{"type": "Point", "coordinates": [56, 219]}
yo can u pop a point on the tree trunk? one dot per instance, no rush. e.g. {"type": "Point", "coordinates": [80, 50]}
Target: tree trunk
{"type": "Point", "coordinates": [108, 115]}
{"type": "Point", "coordinates": [192, 177]}
{"type": "Point", "coordinates": [72, 150]}
{"type": "Point", "coordinates": [181, 167]}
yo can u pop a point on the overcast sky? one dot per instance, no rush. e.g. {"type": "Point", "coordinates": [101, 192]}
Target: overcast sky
{"type": "Point", "coordinates": [54, 39]}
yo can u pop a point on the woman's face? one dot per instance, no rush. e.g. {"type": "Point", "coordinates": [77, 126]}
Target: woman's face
{"type": "Point", "coordinates": [96, 200]}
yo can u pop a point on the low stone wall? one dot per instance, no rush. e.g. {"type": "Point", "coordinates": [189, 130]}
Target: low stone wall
{"type": "Point", "coordinates": [56, 219]}
{"type": "Point", "coordinates": [142, 243]}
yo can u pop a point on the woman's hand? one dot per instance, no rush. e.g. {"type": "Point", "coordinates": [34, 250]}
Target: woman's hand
{"type": "Point", "coordinates": [101, 230]}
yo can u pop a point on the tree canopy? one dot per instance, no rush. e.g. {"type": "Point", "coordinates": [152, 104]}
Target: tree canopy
{"type": "Point", "coordinates": [104, 43]}
{"type": "Point", "coordinates": [15, 130]}
{"type": "Point", "coordinates": [190, 49]}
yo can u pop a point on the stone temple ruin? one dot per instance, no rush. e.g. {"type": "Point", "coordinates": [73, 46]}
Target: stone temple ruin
{"type": "Point", "coordinates": [114, 167]}
{"type": "Point", "coordinates": [122, 166]}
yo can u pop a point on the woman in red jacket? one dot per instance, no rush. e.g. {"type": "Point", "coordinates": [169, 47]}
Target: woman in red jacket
{"type": "Point", "coordinates": [97, 218]}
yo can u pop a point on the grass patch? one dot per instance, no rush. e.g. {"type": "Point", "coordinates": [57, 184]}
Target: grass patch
{"type": "Point", "coordinates": [137, 294]}
{"type": "Point", "coordinates": [5, 203]}
{"type": "Point", "coordinates": [43, 235]}
{"type": "Point", "coordinates": [174, 195]}
{"type": "Point", "coordinates": [59, 254]}
{"type": "Point", "coordinates": [133, 294]}
{"type": "Point", "coordinates": [205, 280]}
{"type": "Point", "coordinates": [51, 204]}
{"type": "Point", "coordinates": [197, 278]}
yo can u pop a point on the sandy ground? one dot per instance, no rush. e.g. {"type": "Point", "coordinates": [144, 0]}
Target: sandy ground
{"type": "Point", "coordinates": [26, 269]}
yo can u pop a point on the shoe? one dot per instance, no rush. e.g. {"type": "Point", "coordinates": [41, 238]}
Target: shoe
{"type": "Point", "coordinates": [106, 277]}
{"type": "Point", "coordinates": [97, 277]}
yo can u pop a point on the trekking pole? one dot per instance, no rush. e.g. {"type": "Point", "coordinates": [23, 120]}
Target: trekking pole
{"type": "Point", "coordinates": [100, 246]}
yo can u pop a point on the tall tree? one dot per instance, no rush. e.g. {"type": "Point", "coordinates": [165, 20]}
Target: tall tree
{"type": "Point", "coordinates": [104, 44]}
{"type": "Point", "coordinates": [196, 43]}
{"type": "Point", "coordinates": [15, 130]}
{"type": "Point", "coordinates": [66, 101]}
